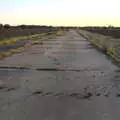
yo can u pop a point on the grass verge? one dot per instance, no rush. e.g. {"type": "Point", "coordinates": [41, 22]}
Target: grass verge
{"type": "Point", "coordinates": [108, 45]}
{"type": "Point", "coordinates": [35, 40]}
{"type": "Point", "coordinates": [17, 39]}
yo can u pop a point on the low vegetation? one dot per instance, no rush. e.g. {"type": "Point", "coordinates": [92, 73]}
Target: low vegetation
{"type": "Point", "coordinates": [105, 39]}
{"type": "Point", "coordinates": [23, 36]}
{"type": "Point", "coordinates": [107, 31]}
{"type": "Point", "coordinates": [7, 31]}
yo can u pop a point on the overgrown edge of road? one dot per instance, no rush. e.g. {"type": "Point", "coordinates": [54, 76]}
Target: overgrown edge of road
{"type": "Point", "coordinates": [35, 40]}
{"type": "Point", "coordinates": [100, 43]}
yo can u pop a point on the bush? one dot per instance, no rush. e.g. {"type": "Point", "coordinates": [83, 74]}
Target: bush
{"type": "Point", "coordinates": [1, 27]}
{"type": "Point", "coordinates": [6, 26]}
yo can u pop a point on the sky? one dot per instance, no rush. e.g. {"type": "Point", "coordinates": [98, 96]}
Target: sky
{"type": "Point", "coordinates": [60, 12]}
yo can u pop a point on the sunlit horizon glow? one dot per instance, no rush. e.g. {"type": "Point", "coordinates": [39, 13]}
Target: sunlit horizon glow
{"type": "Point", "coordinates": [60, 12]}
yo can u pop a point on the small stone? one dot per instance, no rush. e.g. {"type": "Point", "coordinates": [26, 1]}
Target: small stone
{"type": "Point", "coordinates": [118, 95]}
{"type": "Point", "coordinates": [117, 76]}
{"type": "Point", "coordinates": [48, 93]}
{"type": "Point", "coordinates": [37, 92]}
{"type": "Point", "coordinates": [88, 95]}
{"type": "Point", "coordinates": [93, 76]}
{"type": "Point", "coordinates": [106, 95]}
{"type": "Point", "coordinates": [98, 94]}
{"type": "Point", "coordinates": [74, 94]}
{"type": "Point", "coordinates": [10, 89]}
{"type": "Point", "coordinates": [2, 87]}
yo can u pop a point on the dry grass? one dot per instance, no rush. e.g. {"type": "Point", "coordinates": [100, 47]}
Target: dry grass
{"type": "Point", "coordinates": [17, 39]}
{"type": "Point", "coordinates": [39, 38]}
{"type": "Point", "coordinates": [61, 32]}
{"type": "Point", "coordinates": [5, 54]}
{"type": "Point", "coordinates": [108, 44]}
{"type": "Point", "coordinates": [36, 42]}
{"type": "Point", "coordinates": [9, 53]}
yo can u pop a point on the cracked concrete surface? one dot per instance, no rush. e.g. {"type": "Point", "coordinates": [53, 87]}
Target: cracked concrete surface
{"type": "Point", "coordinates": [73, 81]}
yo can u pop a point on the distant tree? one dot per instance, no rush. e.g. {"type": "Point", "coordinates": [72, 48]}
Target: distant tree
{"type": "Point", "coordinates": [1, 27]}
{"type": "Point", "coordinates": [23, 26]}
{"type": "Point", "coordinates": [6, 26]}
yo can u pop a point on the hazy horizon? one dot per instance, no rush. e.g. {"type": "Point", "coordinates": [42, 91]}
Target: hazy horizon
{"type": "Point", "coordinates": [60, 12]}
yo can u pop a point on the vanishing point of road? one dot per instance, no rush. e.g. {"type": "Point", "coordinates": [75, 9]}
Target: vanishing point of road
{"type": "Point", "coordinates": [67, 79]}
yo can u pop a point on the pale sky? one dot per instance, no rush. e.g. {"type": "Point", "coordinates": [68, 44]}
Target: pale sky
{"type": "Point", "coordinates": [60, 12]}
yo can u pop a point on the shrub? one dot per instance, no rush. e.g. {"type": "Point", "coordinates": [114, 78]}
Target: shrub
{"type": "Point", "coordinates": [1, 27]}
{"type": "Point", "coordinates": [6, 26]}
